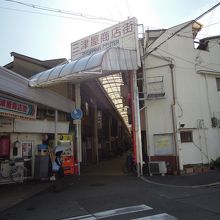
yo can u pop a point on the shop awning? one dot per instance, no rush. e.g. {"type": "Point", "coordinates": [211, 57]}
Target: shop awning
{"type": "Point", "coordinates": [107, 62]}
{"type": "Point", "coordinates": [15, 85]}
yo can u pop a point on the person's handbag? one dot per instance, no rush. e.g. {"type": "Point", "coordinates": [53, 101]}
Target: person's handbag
{"type": "Point", "coordinates": [55, 166]}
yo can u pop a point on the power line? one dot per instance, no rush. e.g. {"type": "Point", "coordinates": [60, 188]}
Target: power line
{"type": "Point", "coordinates": [185, 26]}
{"type": "Point", "coordinates": [184, 32]}
{"type": "Point", "coordinates": [206, 26]}
{"type": "Point", "coordinates": [188, 61]}
{"type": "Point", "coordinates": [211, 24]}
{"type": "Point", "coordinates": [53, 15]}
{"type": "Point", "coordinates": [128, 7]}
{"type": "Point", "coordinates": [86, 16]}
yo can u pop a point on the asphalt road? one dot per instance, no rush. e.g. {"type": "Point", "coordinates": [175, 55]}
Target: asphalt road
{"type": "Point", "coordinates": [118, 197]}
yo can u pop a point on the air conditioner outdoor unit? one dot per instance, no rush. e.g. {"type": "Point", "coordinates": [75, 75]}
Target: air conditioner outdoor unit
{"type": "Point", "coordinates": [157, 167]}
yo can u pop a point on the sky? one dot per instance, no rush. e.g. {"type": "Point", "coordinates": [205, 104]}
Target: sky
{"type": "Point", "coordinates": [45, 35]}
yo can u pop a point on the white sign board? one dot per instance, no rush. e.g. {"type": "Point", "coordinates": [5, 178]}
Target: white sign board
{"type": "Point", "coordinates": [6, 124]}
{"type": "Point", "coordinates": [163, 144]}
{"type": "Point", "coordinates": [123, 35]}
{"type": "Point", "coordinates": [38, 126]}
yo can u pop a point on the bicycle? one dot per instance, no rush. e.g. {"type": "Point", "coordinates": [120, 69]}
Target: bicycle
{"type": "Point", "coordinates": [16, 173]}
{"type": "Point", "coordinates": [129, 166]}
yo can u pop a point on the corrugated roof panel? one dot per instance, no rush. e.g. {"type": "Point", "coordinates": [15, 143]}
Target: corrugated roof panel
{"type": "Point", "coordinates": [111, 85]}
{"type": "Point", "coordinates": [109, 61]}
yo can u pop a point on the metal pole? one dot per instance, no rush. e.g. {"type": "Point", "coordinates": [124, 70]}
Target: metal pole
{"type": "Point", "coordinates": [136, 125]}
{"type": "Point", "coordinates": [174, 119]}
{"type": "Point", "coordinates": [96, 133]}
{"type": "Point", "coordinates": [55, 133]}
{"type": "Point", "coordinates": [109, 134]}
{"type": "Point", "coordinates": [78, 127]}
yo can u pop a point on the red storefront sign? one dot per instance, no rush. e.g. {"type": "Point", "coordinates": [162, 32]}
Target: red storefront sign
{"type": "Point", "coordinates": [13, 107]}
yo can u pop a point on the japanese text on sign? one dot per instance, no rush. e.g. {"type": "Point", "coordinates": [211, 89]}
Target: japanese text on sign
{"type": "Point", "coordinates": [107, 38]}
{"type": "Point", "coordinates": [15, 107]}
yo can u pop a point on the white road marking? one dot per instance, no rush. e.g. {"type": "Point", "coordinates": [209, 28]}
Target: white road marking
{"type": "Point", "coordinates": [124, 211]}
{"type": "Point", "coordinates": [121, 211]}
{"type": "Point", "coordinates": [90, 218]}
{"type": "Point", "coordinates": [112, 212]}
{"type": "Point", "coordinates": [79, 217]}
{"type": "Point", "coordinates": [163, 216]}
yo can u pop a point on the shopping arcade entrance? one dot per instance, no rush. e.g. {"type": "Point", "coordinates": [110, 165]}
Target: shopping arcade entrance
{"type": "Point", "coordinates": [106, 64]}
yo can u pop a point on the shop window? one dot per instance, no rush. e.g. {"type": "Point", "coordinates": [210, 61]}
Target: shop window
{"type": "Point", "coordinates": [186, 136]}
{"type": "Point", "coordinates": [218, 84]}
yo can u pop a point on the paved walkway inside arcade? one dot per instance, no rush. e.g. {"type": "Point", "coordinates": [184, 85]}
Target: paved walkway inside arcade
{"type": "Point", "coordinates": [112, 167]}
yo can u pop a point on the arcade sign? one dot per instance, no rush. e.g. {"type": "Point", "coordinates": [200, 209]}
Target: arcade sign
{"type": "Point", "coordinates": [123, 35]}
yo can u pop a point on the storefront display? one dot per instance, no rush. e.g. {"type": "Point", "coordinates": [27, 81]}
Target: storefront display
{"type": "Point", "coordinates": [66, 141]}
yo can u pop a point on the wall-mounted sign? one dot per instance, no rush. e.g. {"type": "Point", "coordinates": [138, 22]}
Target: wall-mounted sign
{"type": "Point", "coordinates": [124, 35]}
{"type": "Point", "coordinates": [163, 144]}
{"type": "Point", "coordinates": [16, 108]}
{"type": "Point", "coordinates": [99, 119]}
{"type": "Point", "coordinates": [6, 124]}
{"type": "Point", "coordinates": [27, 148]}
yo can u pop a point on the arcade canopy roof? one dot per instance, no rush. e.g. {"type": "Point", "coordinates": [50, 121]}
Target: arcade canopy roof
{"type": "Point", "coordinates": [107, 62]}
{"type": "Point", "coordinates": [107, 65]}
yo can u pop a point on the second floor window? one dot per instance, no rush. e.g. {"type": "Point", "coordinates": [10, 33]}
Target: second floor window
{"type": "Point", "coordinates": [186, 136]}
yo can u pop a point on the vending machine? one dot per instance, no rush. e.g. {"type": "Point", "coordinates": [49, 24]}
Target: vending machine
{"type": "Point", "coordinates": [66, 141]}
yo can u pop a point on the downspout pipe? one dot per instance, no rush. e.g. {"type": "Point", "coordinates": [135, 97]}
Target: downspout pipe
{"type": "Point", "coordinates": [136, 128]}
{"type": "Point", "coordinates": [174, 119]}
{"type": "Point", "coordinates": [133, 117]}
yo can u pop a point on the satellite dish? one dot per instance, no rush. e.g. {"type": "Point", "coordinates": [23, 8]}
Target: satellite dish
{"type": "Point", "coordinates": [76, 114]}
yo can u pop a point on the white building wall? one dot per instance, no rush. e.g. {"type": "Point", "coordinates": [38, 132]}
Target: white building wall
{"type": "Point", "coordinates": [159, 115]}
{"type": "Point", "coordinates": [197, 98]}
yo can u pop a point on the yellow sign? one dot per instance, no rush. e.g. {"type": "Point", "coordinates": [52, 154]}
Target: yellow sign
{"type": "Point", "coordinates": [65, 137]}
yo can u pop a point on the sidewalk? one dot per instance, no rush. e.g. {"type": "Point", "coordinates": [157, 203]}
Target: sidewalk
{"type": "Point", "coordinates": [12, 194]}
{"type": "Point", "coordinates": [194, 180]}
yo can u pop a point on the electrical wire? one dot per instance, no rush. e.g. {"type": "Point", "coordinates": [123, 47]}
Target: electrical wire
{"type": "Point", "coordinates": [188, 61]}
{"type": "Point", "coordinates": [211, 24]}
{"type": "Point", "coordinates": [203, 66]}
{"type": "Point", "coordinates": [85, 16]}
{"type": "Point", "coordinates": [53, 15]}
{"type": "Point", "coordinates": [200, 149]}
{"type": "Point", "coordinates": [182, 28]}
{"type": "Point", "coordinates": [206, 26]}
{"type": "Point", "coordinates": [128, 7]}
{"type": "Point", "coordinates": [119, 11]}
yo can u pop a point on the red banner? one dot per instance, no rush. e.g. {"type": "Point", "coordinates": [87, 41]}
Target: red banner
{"type": "Point", "coordinates": [13, 107]}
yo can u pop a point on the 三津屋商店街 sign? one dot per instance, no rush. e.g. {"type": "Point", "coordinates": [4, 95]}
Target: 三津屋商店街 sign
{"type": "Point", "coordinates": [123, 35]}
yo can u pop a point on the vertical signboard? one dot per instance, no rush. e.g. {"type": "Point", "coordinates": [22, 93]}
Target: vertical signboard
{"type": "Point", "coordinates": [123, 35]}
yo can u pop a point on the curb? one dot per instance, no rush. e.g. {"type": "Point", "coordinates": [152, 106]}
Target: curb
{"type": "Point", "coordinates": [180, 186]}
